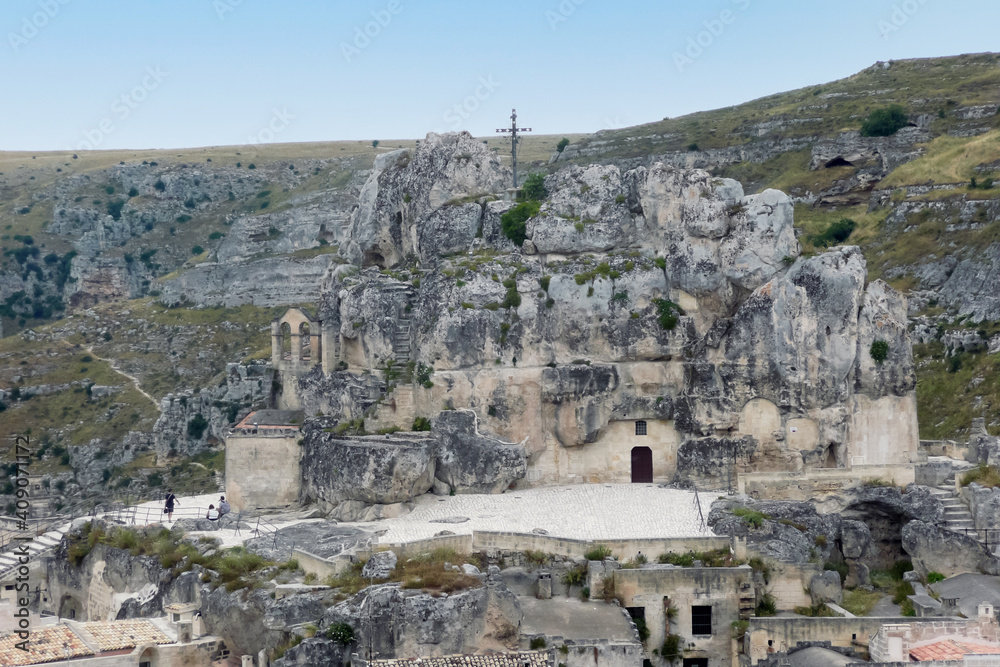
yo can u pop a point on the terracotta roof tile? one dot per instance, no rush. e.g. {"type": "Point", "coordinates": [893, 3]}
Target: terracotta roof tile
{"type": "Point", "coordinates": [522, 659]}
{"type": "Point", "coordinates": [50, 644]}
{"type": "Point", "coordinates": [116, 635]}
{"type": "Point", "coordinates": [951, 649]}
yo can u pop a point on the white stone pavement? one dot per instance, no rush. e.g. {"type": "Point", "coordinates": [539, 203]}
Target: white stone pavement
{"type": "Point", "coordinates": [583, 511]}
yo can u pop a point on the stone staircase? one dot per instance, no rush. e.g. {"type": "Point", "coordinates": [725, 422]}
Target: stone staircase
{"type": "Point", "coordinates": [36, 547]}
{"type": "Point", "coordinates": [957, 516]}
{"type": "Point", "coordinates": [401, 340]}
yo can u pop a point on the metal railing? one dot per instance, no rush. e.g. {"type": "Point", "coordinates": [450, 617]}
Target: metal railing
{"type": "Point", "coordinates": [135, 515]}
{"type": "Point", "coordinates": [985, 536]}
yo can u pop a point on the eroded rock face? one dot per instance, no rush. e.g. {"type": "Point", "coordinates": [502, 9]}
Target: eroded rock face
{"type": "Point", "coordinates": [372, 469]}
{"type": "Point", "coordinates": [355, 472]}
{"type": "Point", "coordinates": [471, 462]}
{"type": "Point", "coordinates": [651, 293]}
{"type": "Point", "coordinates": [413, 202]}
{"type": "Point", "coordinates": [406, 624]}
{"type": "Point", "coordinates": [935, 549]}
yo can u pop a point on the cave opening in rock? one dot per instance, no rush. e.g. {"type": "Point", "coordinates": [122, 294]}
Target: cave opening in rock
{"type": "Point", "coordinates": [372, 258]}
{"type": "Point", "coordinates": [838, 161]}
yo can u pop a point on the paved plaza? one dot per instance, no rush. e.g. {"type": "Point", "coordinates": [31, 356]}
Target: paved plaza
{"type": "Point", "coordinates": [584, 512]}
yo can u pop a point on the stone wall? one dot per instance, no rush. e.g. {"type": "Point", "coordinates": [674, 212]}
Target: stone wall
{"type": "Point", "coordinates": [263, 470]}
{"type": "Point", "coordinates": [776, 634]}
{"type": "Point", "coordinates": [624, 549]}
{"type": "Point", "coordinates": [789, 584]}
{"type": "Point", "coordinates": [819, 483]}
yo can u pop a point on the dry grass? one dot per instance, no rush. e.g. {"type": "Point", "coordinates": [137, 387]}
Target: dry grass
{"type": "Point", "coordinates": [948, 160]}
{"type": "Point", "coordinates": [860, 602]}
{"type": "Point", "coordinates": [984, 475]}
{"type": "Point", "coordinates": [423, 572]}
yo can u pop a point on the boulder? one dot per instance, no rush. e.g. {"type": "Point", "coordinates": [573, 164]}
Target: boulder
{"type": "Point", "coordinates": [825, 587]}
{"type": "Point", "coordinates": [410, 623]}
{"type": "Point", "coordinates": [855, 539]}
{"type": "Point", "coordinates": [469, 461]}
{"type": "Point", "coordinates": [380, 565]}
{"type": "Point", "coordinates": [293, 610]}
{"type": "Point", "coordinates": [935, 549]}
{"type": "Point", "coordinates": [314, 651]}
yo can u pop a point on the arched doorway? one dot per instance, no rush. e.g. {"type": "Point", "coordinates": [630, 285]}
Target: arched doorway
{"type": "Point", "coordinates": [642, 465]}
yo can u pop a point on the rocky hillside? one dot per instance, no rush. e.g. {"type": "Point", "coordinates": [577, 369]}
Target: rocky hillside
{"type": "Point", "coordinates": [167, 266]}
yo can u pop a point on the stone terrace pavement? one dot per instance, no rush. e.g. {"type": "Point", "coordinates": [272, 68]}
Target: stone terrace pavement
{"type": "Point", "coordinates": [582, 511]}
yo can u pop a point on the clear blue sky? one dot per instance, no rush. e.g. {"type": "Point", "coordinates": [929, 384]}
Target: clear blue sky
{"type": "Point", "coordinates": [232, 70]}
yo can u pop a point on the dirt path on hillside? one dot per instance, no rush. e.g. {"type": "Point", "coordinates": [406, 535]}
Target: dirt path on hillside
{"type": "Point", "coordinates": [134, 380]}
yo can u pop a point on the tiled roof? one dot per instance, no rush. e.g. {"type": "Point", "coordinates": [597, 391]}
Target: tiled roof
{"type": "Point", "coordinates": [57, 642]}
{"type": "Point", "coordinates": [115, 635]}
{"type": "Point", "coordinates": [522, 659]}
{"type": "Point", "coordinates": [951, 649]}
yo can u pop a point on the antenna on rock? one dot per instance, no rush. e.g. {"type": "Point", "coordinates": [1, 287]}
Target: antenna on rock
{"type": "Point", "coordinates": [513, 131]}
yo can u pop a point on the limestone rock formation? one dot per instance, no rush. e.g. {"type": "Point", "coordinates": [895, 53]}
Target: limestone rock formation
{"type": "Point", "coordinates": [417, 204]}
{"type": "Point", "coordinates": [936, 549]}
{"type": "Point", "coordinates": [471, 462]}
{"type": "Point", "coordinates": [402, 623]}
{"type": "Point", "coordinates": [651, 294]}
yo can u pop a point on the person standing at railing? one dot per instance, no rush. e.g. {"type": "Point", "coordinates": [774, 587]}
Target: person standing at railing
{"type": "Point", "coordinates": [168, 508]}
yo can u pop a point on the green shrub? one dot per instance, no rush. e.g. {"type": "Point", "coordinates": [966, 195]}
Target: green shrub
{"type": "Point", "coordinates": [197, 250]}
{"type": "Point", "coordinates": [692, 147]}
{"type": "Point", "coordinates": [537, 643]}
{"type": "Point", "coordinates": [983, 475]}
{"type": "Point", "coordinates": [563, 143]}
{"type": "Point", "coordinates": [375, 143]}
{"type": "Point", "coordinates": [642, 628]}
{"type": "Point", "coordinates": [838, 232]}
{"type": "Point", "coordinates": [934, 577]}
{"type": "Point", "coordinates": [160, 186]}
{"type": "Point", "coordinates": [750, 517]}
{"type": "Point", "coordinates": [196, 427]}
{"type": "Point", "coordinates": [341, 633]}
{"type": "Point", "coordinates": [766, 605]}
{"type": "Point", "coordinates": [421, 424]}
{"type": "Point", "coordinates": [879, 351]}
{"type": "Point", "coordinates": [884, 122]}
{"type": "Point", "coordinates": [115, 208]}
{"type": "Point", "coordinates": [513, 223]}
{"type": "Point", "coordinates": [575, 577]}
{"type": "Point", "coordinates": [598, 553]}
{"type": "Point", "coordinates": [902, 590]}
{"type": "Point", "coordinates": [673, 648]}
{"type": "Point", "coordinates": [667, 313]}
{"type": "Point", "coordinates": [544, 282]}
{"type": "Point", "coordinates": [534, 188]}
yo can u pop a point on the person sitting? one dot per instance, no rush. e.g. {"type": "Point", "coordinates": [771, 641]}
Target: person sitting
{"type": "Point", "coordinates": [223, 507]}
{"type": "Point", "coordinates": [213, 514]}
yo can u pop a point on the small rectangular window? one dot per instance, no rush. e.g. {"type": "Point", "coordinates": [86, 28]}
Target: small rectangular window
{"type": "Point", "coordinates": [701, 621]}
{"type": "Point", "coordinates": [640, 427]}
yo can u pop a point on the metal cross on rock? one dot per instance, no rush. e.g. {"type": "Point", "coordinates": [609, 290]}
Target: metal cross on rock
{"type": "Point", "coordinates": [513, 130]}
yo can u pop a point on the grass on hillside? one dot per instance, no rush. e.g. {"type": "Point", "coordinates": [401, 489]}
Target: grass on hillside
{"type": "Point", "coordinates": [211, 338]}
{"type": "Point", "coordinates": [948, 160]}
{"type": "Point", "coordinates": [829, 109]}
{"type": "Point", "coordinates": [951, 393]}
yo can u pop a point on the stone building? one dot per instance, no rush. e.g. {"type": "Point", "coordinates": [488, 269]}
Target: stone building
{"type": "Point", "coordinates": [696, 604]}
{"type": "Point", "coordinates": [262, 460]}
